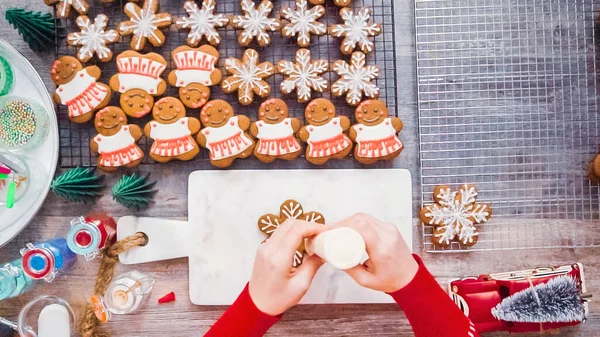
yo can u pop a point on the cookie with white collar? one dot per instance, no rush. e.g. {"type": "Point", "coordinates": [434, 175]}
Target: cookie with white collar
{"type": "Point", "coordinates": [275, 132]}
{"type": "Point", "coordinates": [375, 133]}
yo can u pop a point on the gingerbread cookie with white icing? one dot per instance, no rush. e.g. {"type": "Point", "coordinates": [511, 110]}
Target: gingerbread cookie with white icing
{"type": "Point", "coordinates": [275, 132]}
{"type": "Point", "coordinates": [116, 141]}
{"type": "Point", "coordinates": [172, 132]}
{"type": "Point", "coordinates": [93, 38]}
{"type": "Point", "coordinates": [224, 134]}
{"type": "Point", "coordinates": [339, 3]}
{"type": "Point", "coordinates": [303, 22]}
{"type": "Point", "coordinates": [202, 23]}
{"type": "Point", "coordinates": [356, 31]}
{"type": "Point", "coordinates": [376, 133]}
{"type": "Point", "coordinates": [594, 170]}
{"type": "Point", "coordinates": [145, 24]}
{"type": "Point", "coordinates": [138, 80]}
{"type": "Point", "coordinates": [255, 23]}
{"type": "Point", "coordinates": [356, 79]}
{"type": "Point", "coordinates": [248, 77]}
{"type": "Point", "coordinates": [64, 7]}
{"type": "Point", "coordinates": [196, 72]}
{"type": "Point", "coordinates": [325, 133]}
{"type": "Point", "coordinates": [78, 88]}
{"type": "Point", "coordinates": [303, 76]}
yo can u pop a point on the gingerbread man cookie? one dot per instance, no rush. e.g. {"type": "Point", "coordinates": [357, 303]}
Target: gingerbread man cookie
{"type": "Point", "coordinates": [196, 71]}
{"type": "Point", "coordinates": [375, 134]}
{"type": "Point", "coordinates": [63, 7]}
{"type": "Point", "coordinates": [356, 31]}
{"type": "Point", "coordinates": [202, 23]}
{"type": "Point", "coordinates": [93, 38]}
{"type": "Point", "coordinates": [248, 77]}
{"type": "Point", "coordinates": [78, 89]}
{"type": "Point", "coordinates": [325, 133]}
{"type": "Point", "coordinates": [145, 24]}
{"type": "Point", "coordinates": [275, 132]}
{"type": "Point", "coordinates": [255, 23]}
{"type": "Point", "coordinates": [339, 3]}
{"type": "Point", "coordinates": [454, 215]}
{"type": "Point", "coordinates": [303, 22]}
{"type": "Point", "coordinates": [290, 209]}
{"type": "Point", "coordinates": [355, 79]}
{"type": "Point", "coordinates": [172, 132]}
{"type": "Point", "coordinates": [224, 134]}
{"type": "Point", "coordinates": [304, 76]}
{"type": "Point", "coordinates": [116, 140]}
{"type": "Point", "coordinates": [138, 81]}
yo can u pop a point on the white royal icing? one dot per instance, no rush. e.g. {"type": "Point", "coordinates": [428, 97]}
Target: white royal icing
{"type": "Point", "coordinates": [330, 130]}
{"type": "Point", "coordinates": [188, 76]}
{"type": "Point", "coordinates": [303, 22]}
{"type": "Point", "coordinates": [327, 140]}
{"type": "Point", "coordinates": [226, 141]}
{"type": "Point", "coordinates": [78, 85]}
{"type": "Point", "coordinates": [356, 30]}
{"type": "Point", "coordinates": [194, 66]}
{"type": "Point", "coordinates": [275, 131]}
{"type": "Point", "coordinates": [202, 22]}
{"type": "Point", "coordinates": [256, 22]}
{"type": "Point", "coordinates": [175, 130]}
{"type": "Point", "coordinates": [80, 7]}
{"type": "Point", "coordinates": [146, 23]}
{"type": "Point", "coordinates": [382, 134]}
{"type": "Point", "coordinates": [120, 147]}
{"type": "Point", "coordinates": [93, 37]}
{"type": "Point", "coordinates": [276, 139]}
{"type": "Point", "coordinates": [247, 76]}
{"type": "Point", "coordinates": [136, 81]}
{"type": "Point", "coordinates": [356, 79]}
{"type": "Point", "coordinates": [304, 75]}
{"type": "Point", "coordinates": [171, 139]}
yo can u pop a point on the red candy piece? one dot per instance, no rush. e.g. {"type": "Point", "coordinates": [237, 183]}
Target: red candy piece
{"type": "Point", "coordinates": [170, 297]}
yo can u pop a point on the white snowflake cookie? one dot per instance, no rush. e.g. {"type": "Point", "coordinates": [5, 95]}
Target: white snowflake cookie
{"type": "Point", "coordinates": [355, 79]}
{"type": "Point", "coordinates": [303, 22]}
{"type": "Point", "coordinates": [255, 23]}
{"type": "Point", "coordinates": [145, 24]}
{"type": "Point", "coordinates": [455, 215]}
{"type": "Point", "coordinates": [356, 31]}
{"type": "Point", "coordinates": [202, 23]}
{"type": "Point", "coordinates": [304, 76]}
{"type": "Point", "coordinates": [339, 3]}
{"type": "Point", "coordinates": [93, 38]}
{"type": "Point", "coordinates": [248, 77]}
{"type": "Point", "coordinates": [63, 7]}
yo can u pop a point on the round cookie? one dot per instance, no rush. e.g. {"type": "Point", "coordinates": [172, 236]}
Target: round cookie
{"type": "Point", "coordinates": [224, 134]}
{"type": "Point", "coordinates": [375, 133]}
{"type": "Point", "coordinates": [78, 89]}
{"type": "Point", "coordinates": [275, 132]}
{"type": "Point", "coordinates": [116, 140]}
{"type": "Point", "coordinates": [324, 133]}
{"type": "Point", "coordinates": [172, 132]}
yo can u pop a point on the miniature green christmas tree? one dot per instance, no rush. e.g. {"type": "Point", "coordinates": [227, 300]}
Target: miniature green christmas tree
{"type": "Point", "coordinates": [78, 184]}
{"type": "Point", "coordinates": [134, 191]}
{"type": "Point", "coordinates": [558, 301]}
{"type": "Point", "coordinates": [37, 29]}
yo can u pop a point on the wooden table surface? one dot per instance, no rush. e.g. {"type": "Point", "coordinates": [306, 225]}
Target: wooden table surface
{"type": "Point", "coordinates": [181, 318]}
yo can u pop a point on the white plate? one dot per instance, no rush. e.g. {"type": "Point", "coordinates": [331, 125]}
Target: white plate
{"type": "Point", "coordinates": [41, 160]}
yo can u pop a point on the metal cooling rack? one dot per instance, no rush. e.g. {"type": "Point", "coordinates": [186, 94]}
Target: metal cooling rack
{"type": "Point", "coordinates": [74, 138]}
{"type": "Point", "coordinates": [508, 101]}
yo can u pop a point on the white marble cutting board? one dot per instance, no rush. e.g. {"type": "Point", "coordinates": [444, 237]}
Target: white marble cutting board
{"type": "Point", "coordinates": [222, 235]}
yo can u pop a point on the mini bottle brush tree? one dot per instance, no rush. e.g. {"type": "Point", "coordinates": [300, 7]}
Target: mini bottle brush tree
{"type": "Point", "coordinates": [37, 29]}
{"type": "Point", "coordinates": [134, 191]}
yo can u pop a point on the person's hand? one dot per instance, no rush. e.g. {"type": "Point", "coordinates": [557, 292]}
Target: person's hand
{"type": "Point", "coordinates": [391, 266]}
{"type": "Point", "coordinates": [274, 285]}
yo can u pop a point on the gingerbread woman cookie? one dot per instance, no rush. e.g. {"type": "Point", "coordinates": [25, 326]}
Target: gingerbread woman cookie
{"type": "Point", "coordinates": [375, 134]}
{"type": "Point", "coordinates": [355, 79]}
{"type": "Point", "coordinates": [138, 81]}
{"type": "Point", "coordinates": [339, 3]}
{"type": "Point", "coordinates": [116, 140]}
{"type": "Point", "coordinates": [145, 24]}
{"type": "Point", "coordinates": [255, 23]}
{"type": "Point", "coordinates": [78, 89]}
{"type": "Point", "coordinates": [224, 134]}
{"type": "Point", "coordinates": [290, 209]}
{"type": "Point", "coordinates": [324, 133]}
{"type": "Point", "coordinates": [303, 22]}
{"type": "Point", "coordinates": [202, 23]}
{"type": "Point", "coordinates": [172, 132]}
{"type": "Point", "coordinates": [454, 215]}
{"type": "Point", "coordinates": [304, 76]}
{"type": "Point", "coordinates": [248, 77]}
{"type": "Point", "coordinates": [196, 71]}
{"type": "Point", "coordinates": [356, 31]}
{"type": "Point", "coordinates": [93, 38]}
{"type": "Point", "coordinates": [275, 132]}
{"type": "Point", "coordinates": [63, 7]}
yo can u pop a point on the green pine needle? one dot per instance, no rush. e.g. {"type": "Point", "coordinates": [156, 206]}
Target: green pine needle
{"type": "Point", "coordinates": [134, 191]}
{"type": "Point", "coordinates": [78, 185]}
{"type": "Point", "coordinates": [37, 29]}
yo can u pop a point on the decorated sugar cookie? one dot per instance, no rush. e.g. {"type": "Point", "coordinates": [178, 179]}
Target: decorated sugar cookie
{"type": "Point", "coordinates": [172, 132]}
{"type": "Point", "coordinates": [255, 23]}
{"type": "Point", "coordinates": [93, 38]}
{"type": "Point", "coordinates": [196, 71]}
{"type": "Point", "coordinates": [248, 77]}
{"type": "Point", "coordinates": [455, 215]}
{"type": "Point", "coordinates": [63, 7]}
{"type": "Point", "coordinates": [355, 79]}
{"type": "Point", "coordinates": [78, 89]}
{"type": "Point", "coordinates": [138, 80]}
{"type": "Point", "coordinates": [116, 140]}
{"type": "Point", "coordinates": [202, 23]}
{"type": "Point", "coordinates": [324, 133]}
{"type": "Point", "coordinates": [224, 134]}
{"type": "Point", "coordinates": [304, 76]}
{"type": "Point", "coordinates": [339, 3]}
{"type": "Point", "coordinates": [303, 22]}
{"type": "Point", "coordinates": [375, 134]}
{"type": "Point", "coordinates": [275, 132]}
{"type": "Point", "coordinates": [145, 24]}
{"type": "Point", "coordinates": [356, 30]}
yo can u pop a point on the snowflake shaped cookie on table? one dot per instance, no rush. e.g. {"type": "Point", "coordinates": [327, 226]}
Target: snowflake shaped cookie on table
{"type": "Point", "coordinates": [303, 76]}
{"type": "Point", "coordinates": [255, 23]}
{"type": "Point", "coordinates": [93, 38]}
{"type": "Point", "coordinates": [455, 215]}
{"type": "Point", "coordinates": [63, 7]}
{"type": "Point", "coordinates": [248, 77]}
{"type": "Point", "coordinates": [303, 22]}
{"type": "Point", "coordinates": [356, 30]}
{"type": "Point", "coordinates": [202, 23]}
{"type": "Point", "coordinates": [356, 79]}
{"type": "Point", "coordinates": [145, 23]}
{"type": "Point", "coordinates": [290, 209]}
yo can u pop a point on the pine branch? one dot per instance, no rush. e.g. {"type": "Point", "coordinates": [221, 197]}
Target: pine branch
{"type": "Point", "coordinates": [37, 29]}
{"type": "Point", "coordinates": [134, 191]}
{"type": "Point", "coordinates": [78, 185]}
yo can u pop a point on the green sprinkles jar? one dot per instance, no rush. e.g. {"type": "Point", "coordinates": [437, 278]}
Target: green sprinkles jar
{"type": "Point", "coordinates": [23, 123]}
{"type": "Point", "coordinates": [6, 77]}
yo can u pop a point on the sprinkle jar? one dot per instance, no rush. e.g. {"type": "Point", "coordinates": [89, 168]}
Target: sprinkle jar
{"type": "Point", "coordinates": [23, 123]}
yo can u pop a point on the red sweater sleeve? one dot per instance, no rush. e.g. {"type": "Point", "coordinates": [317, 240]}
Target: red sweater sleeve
{"type": "Point", "coordinates": [430, 311]}
{"type": "Point", "coordinates": [243, 319]}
